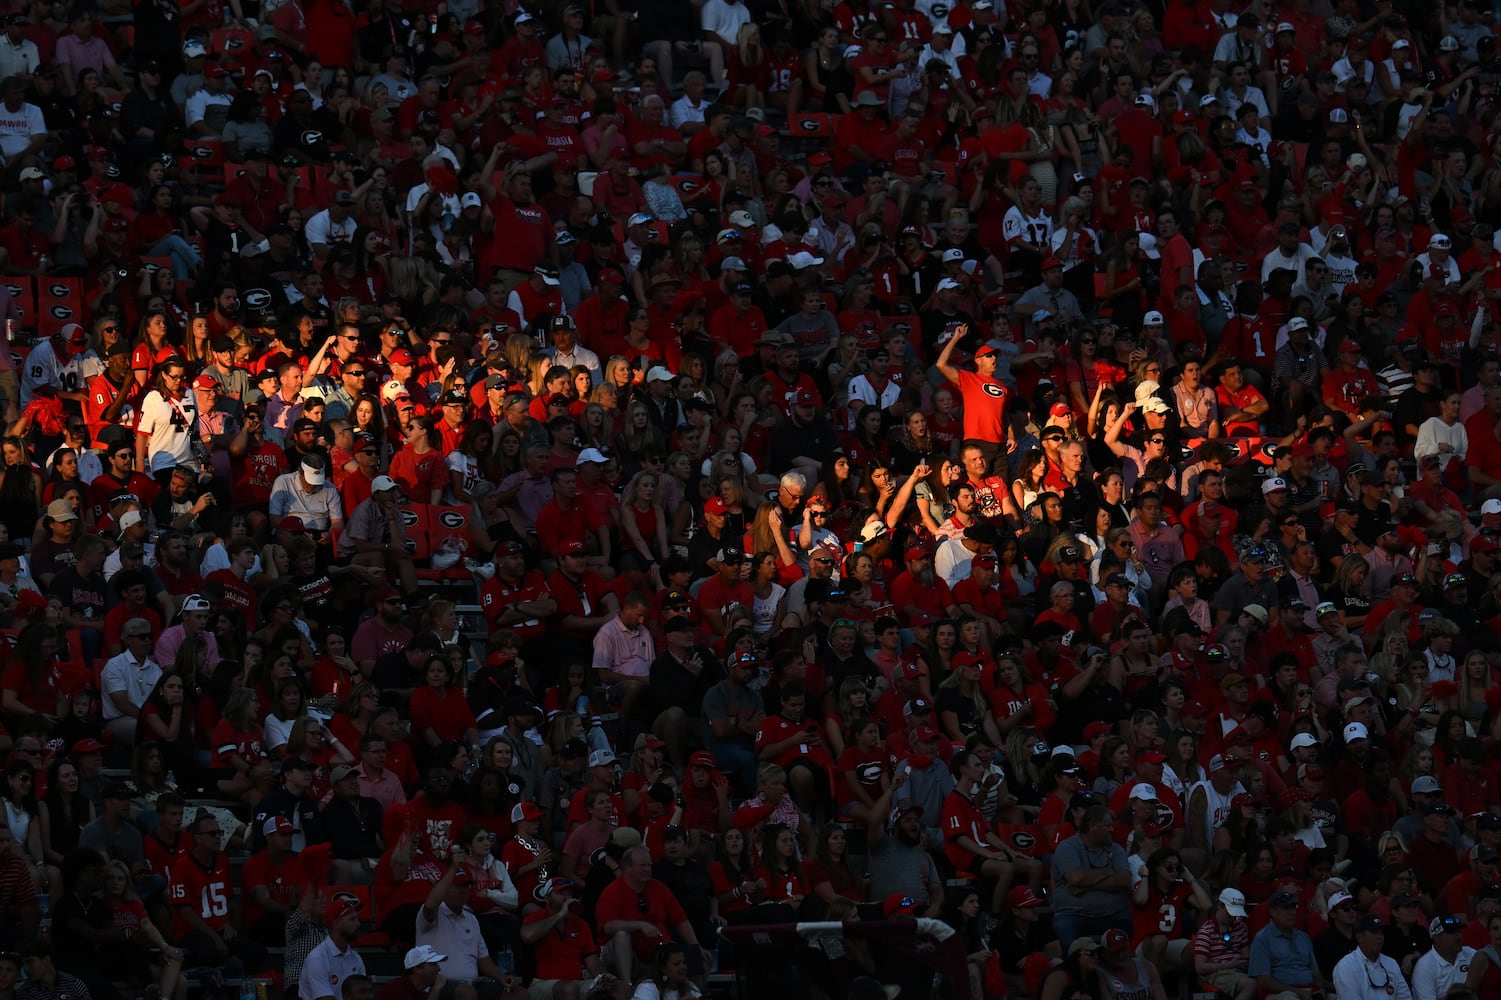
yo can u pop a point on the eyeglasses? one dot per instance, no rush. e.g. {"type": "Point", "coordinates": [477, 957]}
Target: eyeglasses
{"type": "Point", "coordinates": [175, 378]}
{"type": "Point", "coordinates": [109, 329]}
{"type": "Point", "coordinates": [1156, 440]}
{"type": "Point", "coordinates": [139, 635]}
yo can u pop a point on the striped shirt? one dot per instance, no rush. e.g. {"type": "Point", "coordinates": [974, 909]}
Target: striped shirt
{"type": "Point", "coordinates": [1219, 946]}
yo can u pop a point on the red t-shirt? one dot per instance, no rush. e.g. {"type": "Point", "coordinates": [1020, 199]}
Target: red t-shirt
{"type": "Point", "coordinates": [237, 594]}
{"type": "Point", "coordinates": [867, 765]}
{"type": "Point", "coordinates": [420, 475]}
{"type": "Point", "coordinates": [447, 714]}
{"type": "Point", "coordinates": [620, 902]}
{"type": "Point", "coordinates": [561, 952]}
{"type": "Point", "coordinates": [984, 407]}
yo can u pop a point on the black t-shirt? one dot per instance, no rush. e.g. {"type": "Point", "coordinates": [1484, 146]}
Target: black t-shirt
{"type": "Point", "coordinates": [51, 557]}
{"type": "Point", "coordinates": [951, 699]}
{"type": "Point", "coordinates": [676, 685]}
{"type": "Point", "coordinates": [692, 886]}
{"type": "Point", "coordinates": [71, 950]}
{"type": "Point", "coordinates": [315, 592]}
{"type": "Point", "coordinates": [309, 137]}
{"type": "Point", "coordinates": [1413, 407]}
{"type": "Point", "coordinates": [83, 596]}
{"type": "Point", "coordinates": [392, 673]}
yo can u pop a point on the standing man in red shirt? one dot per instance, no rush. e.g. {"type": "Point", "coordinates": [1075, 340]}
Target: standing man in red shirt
{"type": "Point", "coordinates": [983, 396]}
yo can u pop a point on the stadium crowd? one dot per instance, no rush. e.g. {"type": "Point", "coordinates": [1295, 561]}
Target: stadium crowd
{"type": "Point", "coordinates": [495, 499]}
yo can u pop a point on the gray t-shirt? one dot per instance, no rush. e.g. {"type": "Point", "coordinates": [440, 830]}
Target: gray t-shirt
{"type": "Point", "coordinates": [1237, 592]}
{"type": "Point", "coordinates": [1073, 854]}
{"type": "Point", "coordinates": [722, 703]}
{"type": "Point", "coordinates": [122, 845]}
{"type": "Point", "coordinates": [895, 867]}
{"type": "Point", "coordinates": [814, 334]}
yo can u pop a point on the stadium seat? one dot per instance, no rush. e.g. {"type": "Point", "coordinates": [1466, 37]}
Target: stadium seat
{"type": "Point", "coordinates": [414, 527]}
{"type": "Point", "coordinates": [812, 126]}
{"type": "Point", "coordinates": [443, 524]}
{"type": "Point", "coordinates": [204, 152]}
{"type": "Point", "coordinates": [59, 302]}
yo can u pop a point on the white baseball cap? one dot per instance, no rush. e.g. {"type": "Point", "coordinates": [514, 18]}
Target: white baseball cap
{"type": "Point", "coordinates": [1303, 740]}
{"type": "Point", "coordinates": [1234, 902]}
{"type": "Point", "coordinates": [423, 954]}
{"type": "Point", "coordinates": [1491, 507]}
{"type": "Point", "coordinates": [1143, 792]}
{"type": "Point", "coordinates": [1273, 484]}
{"type": "Point", "coordinates": [1356, 731]}
{"type": "Point", "coordinates": [1153, 318]}
{"type": "Point", "coordinates": [382, 483]}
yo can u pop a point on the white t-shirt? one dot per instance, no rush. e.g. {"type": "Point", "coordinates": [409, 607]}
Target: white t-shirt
{"type": "Point", "coordinates": [169, 427]}
{"type": "Point", "coordinates": [724, 19]}
{"type": "Point", "coordinates": [18, 126]}
{"type": "Point", "coordinates": [321, 228]}
{"type": "Point", "coordinates": [42, 367]}
{"type": "Point", "coordinates": [199, 104]}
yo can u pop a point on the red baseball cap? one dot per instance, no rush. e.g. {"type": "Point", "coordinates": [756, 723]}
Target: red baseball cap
{"type": "Point", "coordinates": [402, 356]}
{"type": "Point", "coordinates": [1021, 897]}
{"type": "Point", "coordinates": [806, 397]}
{"type": "Point", "coordinates": [898, 904]}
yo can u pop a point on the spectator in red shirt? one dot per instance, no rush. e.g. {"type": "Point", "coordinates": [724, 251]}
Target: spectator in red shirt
{"type": "Point", "coordinates": [728, 586]}
{"type": "Point", "coordinates": [920, 590]}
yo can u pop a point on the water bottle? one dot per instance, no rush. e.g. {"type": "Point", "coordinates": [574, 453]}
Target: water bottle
{"type": "Point", "coordinates": [247, 988]}
{"type": "Point", "coordinates": [505, 961]}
